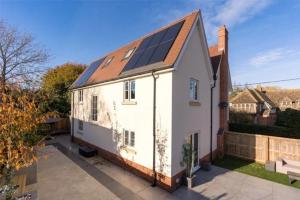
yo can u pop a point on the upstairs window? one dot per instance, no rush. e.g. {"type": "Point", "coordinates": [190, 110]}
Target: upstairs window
{"type": "Point", "coordinates": [129, 90]}
{"type": "Point", "coordinates": [94, 110]}
{"type": "Point", "coordinates": [80, 95]}
{"type": "Point", "coordinates": [194, 85]}
{"type": "Point", "coordinates": [128, 53]}
{"type": "Point", "coordinates": [108, 61]}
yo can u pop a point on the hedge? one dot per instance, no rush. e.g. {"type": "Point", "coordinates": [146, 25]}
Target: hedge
{"type": "Point", "coordinates": [265, 130]}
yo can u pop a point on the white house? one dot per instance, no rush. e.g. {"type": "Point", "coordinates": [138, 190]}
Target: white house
{"type": "Point", "coordinates": [139, 104]}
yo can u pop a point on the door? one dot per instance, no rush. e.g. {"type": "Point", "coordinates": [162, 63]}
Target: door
{"type": "Point", "coordinates": [195, 142]}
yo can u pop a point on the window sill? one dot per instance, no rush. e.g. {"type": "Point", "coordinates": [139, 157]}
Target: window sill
{"type": "Point", "coordinates": [80, 132]}
{"type": "Point", "coordinates": [194, 103]}
{"type": "Point", "coordinates": [80, 102]}
{"type": "Point", "coordinates": [129, 103]}
{"type": "Point", "coordinates": [128, 149]}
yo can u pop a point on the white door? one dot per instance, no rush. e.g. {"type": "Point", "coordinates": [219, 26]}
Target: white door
{"type": "Point", "coordinates": [195, 143]}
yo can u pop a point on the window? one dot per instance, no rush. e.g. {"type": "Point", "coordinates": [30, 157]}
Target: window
{"type": "Point", "coordinates": [129, 139]}
{"type": "Point", "coordinates": [108, 61]}
{"type": "Point", "coordinates": [132, 89]}
{"type": "Point", "coordinates": [80, 95]}
{"type": "Point", "coordinates": [129, 90]}
{"type": "Point", "coordinates": [94, 110]}
{"type": "Point", "coordinates": [194, 89]}
{"type": "Point", "coordinates": [80, 125]}
{"type": "Point", "coordinates": [126, 137]}
{"type": "Point", "coordinates": [128, 53]}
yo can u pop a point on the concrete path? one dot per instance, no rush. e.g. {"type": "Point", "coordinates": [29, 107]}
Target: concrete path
{"type": "Point", "coordinates": [73, 177]}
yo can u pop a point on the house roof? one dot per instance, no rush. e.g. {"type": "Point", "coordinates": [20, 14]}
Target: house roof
{"type": "Point", "coordinates": [278, 95]}
{"type": "Point", "coordinates": [245, 97]}
{"type": "Point", "coordinates": [252, 96]}
{"type": "Point", "coordinates": [98, 71]}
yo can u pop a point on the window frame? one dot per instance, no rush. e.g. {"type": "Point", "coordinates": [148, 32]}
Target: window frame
{"type": "Point", "coordinates": [94, 108]}
{"type": "Point", "coordinates": [128, 94]}
{"type": "Point", "coordinates": [80, 96]}
{"type": "Point", "coordinates": [129, 138]}
{"type": "Point", "coordinates": [80, 125]}
{"type": "Point", "coordinates": [194, 89]}
{"type": "Point", "coordinates": [128, 53]}
{"type": "Point", "coordinates": [108, 61]}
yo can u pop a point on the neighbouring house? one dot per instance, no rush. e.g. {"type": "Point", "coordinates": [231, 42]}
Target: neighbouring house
{"type": "Point", "coordinates": [256, 104]}
{"type": "Point", "coordinates": [284, 98]}
{"type": "Point", "coordinates": [139, 104]}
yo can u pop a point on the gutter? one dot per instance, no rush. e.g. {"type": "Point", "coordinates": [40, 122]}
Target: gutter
{"type": "Point", "coordinates": [211, 117]}
{"type": "Point", "coordinates": [154, 128]}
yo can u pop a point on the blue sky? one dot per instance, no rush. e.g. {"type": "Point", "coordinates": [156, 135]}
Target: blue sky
{"type": "Point", "coordinates": [264, 34]}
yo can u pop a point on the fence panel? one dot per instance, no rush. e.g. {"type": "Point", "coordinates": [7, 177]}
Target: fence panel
{"type": "Point", "coordinates": [261, 148]}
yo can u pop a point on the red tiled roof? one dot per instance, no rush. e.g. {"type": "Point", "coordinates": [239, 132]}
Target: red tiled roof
{"type": "Point", "coordinates": [114, 69]}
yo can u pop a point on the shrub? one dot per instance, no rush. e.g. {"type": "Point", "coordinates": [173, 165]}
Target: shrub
{"type": "Point", "coordinates": [265, 130]}
{"type": "Point", "coordinates": [289, 118]}
{"type": "Point", "coordinates": [241, 117]}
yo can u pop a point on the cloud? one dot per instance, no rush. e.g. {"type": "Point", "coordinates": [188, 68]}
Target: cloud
{"type": "Point", "coordinates": [216, 12]}
{"type": "Point", "coordinates": [270, 56]}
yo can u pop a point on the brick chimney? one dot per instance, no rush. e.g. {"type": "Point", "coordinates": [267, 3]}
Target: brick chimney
{"type": "Point", "coordinates": [223, 39]}
{"type": "Point", "coordinates": [224, 72]}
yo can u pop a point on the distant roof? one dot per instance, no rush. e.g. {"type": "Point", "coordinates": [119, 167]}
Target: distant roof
{"type": "Point", "coordinates": [252, 96]}
{"type": "Point", "coordinates": [162, 47]}
{"type": "Point", "coordinates": [277, 95]}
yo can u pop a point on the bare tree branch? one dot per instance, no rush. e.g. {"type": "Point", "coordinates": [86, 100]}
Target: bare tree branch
{"type": "Point", "coordinates": [20, 57]}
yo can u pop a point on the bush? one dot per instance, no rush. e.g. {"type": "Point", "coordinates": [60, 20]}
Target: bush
{"type": "Point", "coordinates": [265, 130]}
{"type": "Point", "coordinates": [289, 118]}
{"type": "Point", "coordinates": [241, 117]}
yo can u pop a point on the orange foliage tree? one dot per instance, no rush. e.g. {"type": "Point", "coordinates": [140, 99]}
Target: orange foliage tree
{"type": "Point", "coordinates": [19, 142]}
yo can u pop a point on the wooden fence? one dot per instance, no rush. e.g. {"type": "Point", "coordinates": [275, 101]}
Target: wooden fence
{"type": "Point", "coordinates": [261, 148]}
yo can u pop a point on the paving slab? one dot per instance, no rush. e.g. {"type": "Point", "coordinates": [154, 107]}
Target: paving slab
{"type": "Point", "coordinates": [116, 182]}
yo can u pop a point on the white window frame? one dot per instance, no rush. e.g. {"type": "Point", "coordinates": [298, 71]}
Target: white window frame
{"type": "Point", "coordinates": [129, 140]}
{"type": "Point", "coordinates": [94, 108]}
{"type": "Point", "coordinates": [194, 89]}
{"type": "Point", "coordinates": [108, 61]}
{"type": "Point", "coordinates": [80, 125]}
{"type": "Point", "coordinates": [128, 53]}
{"type": "Point", "coordinates": [80, 96]}
{"type": "Point", "coordinates": [127, 90]}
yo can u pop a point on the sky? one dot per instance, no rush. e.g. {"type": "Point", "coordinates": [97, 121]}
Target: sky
{"type": "Point", "coordinates": [264, 42]}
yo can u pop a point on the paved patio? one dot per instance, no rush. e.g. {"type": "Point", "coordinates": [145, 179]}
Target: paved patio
{"type": "Point", "coordinates": [66, 175]}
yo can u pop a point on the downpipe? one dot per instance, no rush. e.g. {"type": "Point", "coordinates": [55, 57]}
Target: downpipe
{"type": "Point", "coordinates": [154, 129]}
{"type": "Point", "coordinates": [211, 117]}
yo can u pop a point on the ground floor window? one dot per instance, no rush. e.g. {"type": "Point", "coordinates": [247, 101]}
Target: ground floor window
{"type": "Point", "coordinates": [80, 125]}
{"type": "Point", "coordinates": [129, 138]}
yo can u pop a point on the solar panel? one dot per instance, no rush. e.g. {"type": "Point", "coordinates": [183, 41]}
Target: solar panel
{"type": "Point", "coordinates": [145, 57]}
{"type": "Point", "coordinates": [154, 48]}
{"type": "Point", "coordinates": [88, 72]}
{"type": "Point", "coordinates": [161, 52]}
{"type": "Point", "coordinates": [173, 31]}
{"type": "Point", "coordinates": [157, 37]}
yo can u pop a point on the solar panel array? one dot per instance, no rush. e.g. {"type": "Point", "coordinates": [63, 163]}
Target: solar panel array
{"type": "Point", "coordinates": [154, 48]}
{"type": "Point", "coordinates": [87, 73]}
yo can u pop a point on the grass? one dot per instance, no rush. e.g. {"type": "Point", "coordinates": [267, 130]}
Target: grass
{"type": "Point", "coordinates": [254, 169]}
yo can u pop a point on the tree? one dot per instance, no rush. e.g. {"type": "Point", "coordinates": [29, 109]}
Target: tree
{"type": "Point", "coordinates": [20, 57]}
{"type": "Point", "coordinates": [19, 122]}
{"type": "Point", "coordinates": [55, 87]}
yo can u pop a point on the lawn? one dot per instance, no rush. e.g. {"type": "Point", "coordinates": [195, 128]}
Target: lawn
{"type": "Point", "coordinates": [254, 169]}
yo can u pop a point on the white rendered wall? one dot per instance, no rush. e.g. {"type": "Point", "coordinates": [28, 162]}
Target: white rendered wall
{"type": "Point", "coordinates": [189, 119]}
{"type": "Point", "coordinates": [114, 115]}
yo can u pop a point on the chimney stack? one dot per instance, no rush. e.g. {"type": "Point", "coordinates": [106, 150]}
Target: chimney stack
{"type": "Point", "coordinates": [223, 39]}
